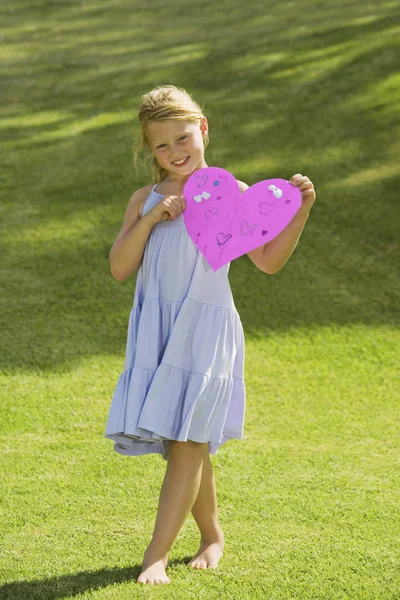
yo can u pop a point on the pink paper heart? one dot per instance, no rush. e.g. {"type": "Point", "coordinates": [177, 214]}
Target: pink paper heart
{"type": "Point", "coordinates": [225, 224]}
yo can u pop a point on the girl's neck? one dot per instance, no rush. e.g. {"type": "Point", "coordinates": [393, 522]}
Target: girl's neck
{"type": "Point", "coordinates": [175, 179]}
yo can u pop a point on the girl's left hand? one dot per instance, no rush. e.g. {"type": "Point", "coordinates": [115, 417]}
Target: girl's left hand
{"type": "Point", "coordinates": [307, 192]}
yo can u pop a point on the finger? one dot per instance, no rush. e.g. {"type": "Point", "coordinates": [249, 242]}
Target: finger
{"type": "Point", "coordinates": [298, 179]}
{"type": "Point", "coordinates": [300, 182]}
{"type": "Point", "coordinates": [293, 180]}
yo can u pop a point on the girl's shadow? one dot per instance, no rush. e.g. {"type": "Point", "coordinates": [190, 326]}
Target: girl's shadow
{"type": "Point", "coordinates": [72, 585]}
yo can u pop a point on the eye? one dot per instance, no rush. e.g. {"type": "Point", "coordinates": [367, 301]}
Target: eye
{"type": "Point", "coordinates": [181, 138]}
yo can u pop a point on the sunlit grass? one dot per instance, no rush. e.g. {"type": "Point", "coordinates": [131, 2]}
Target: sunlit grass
{"type": "Point", "coordinates": [308, 500]}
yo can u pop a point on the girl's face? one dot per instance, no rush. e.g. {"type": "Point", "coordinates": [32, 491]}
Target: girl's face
{"type": "Point", "coordinates": [171, 140]}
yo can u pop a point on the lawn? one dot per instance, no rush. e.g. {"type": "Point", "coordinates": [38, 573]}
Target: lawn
{"type": "Point", "coordinates": [309, 498]}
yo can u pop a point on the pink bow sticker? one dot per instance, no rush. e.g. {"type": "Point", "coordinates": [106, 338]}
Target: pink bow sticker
{"type": "Point", "coordinates": [225, 224]}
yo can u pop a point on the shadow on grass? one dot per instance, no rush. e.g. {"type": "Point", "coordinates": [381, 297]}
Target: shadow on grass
{"type": "Point", "coordinates": [282, 96]}
{"type": "Point", "coordinates": [68, 586]}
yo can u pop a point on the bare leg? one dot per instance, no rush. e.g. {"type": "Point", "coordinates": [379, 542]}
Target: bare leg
{"type": "Point", "coordinates": [204, 510]}
{"type": "Point", "coordinates": [178, 493]}
{"type": "Point", "coordinates": [205, 514]}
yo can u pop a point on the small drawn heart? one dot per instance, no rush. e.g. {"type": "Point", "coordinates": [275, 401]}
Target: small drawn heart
{"type": "Point", "coordinates": [245, 229]}
{"type": "Point", "coordinates": [263, 232]}
{"type": "Point", "coordinates": [222, 239]}
{"type": "Point", "coordinates": [266, 207]}
{"type": "Point", "coordinates": [211, 212]}
{"type": "Point", "coordinates": [202, 180]}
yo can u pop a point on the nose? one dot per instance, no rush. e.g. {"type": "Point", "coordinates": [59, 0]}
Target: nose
{"type": "Point", "coordinates": [176, 150]}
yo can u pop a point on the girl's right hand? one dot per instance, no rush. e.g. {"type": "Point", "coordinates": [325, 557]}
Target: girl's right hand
{"type": "Point", "coordinates": [167, 209]}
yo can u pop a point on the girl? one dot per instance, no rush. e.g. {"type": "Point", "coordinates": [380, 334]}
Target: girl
{"type": "Point", "coordinates": [182, 393]}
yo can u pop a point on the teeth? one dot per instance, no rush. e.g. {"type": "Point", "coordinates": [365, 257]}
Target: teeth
{"type": "Point", "coordinates": [179, 162]}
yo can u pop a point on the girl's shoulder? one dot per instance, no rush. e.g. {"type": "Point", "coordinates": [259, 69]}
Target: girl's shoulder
{"type": "Point", "coordinates": [146, 189]}
{"type": "Point", "coordinates": [141, 196]}
{"type": "Point", "coordinates": [136, 202]}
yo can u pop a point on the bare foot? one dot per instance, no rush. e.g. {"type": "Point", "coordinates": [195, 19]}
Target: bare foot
{"type": "Point", "coordinates": [153, 571]}
{"type": "Point", "coordinates": [209, 554]}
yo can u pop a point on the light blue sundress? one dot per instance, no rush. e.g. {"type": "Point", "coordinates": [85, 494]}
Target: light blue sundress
{"type": "Point", "coordinates": [183, 377]}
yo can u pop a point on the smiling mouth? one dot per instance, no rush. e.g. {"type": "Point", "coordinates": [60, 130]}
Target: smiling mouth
{"type": "Point", "coordinates": [182, 164]}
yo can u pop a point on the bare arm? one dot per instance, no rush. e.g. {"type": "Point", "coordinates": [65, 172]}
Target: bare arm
{"type": "Point", "coordinates": [127, 251]}
{"type": "Point", "coordinates": [272, 256]}
{"type": "Point", "coordinates": [278, 250]}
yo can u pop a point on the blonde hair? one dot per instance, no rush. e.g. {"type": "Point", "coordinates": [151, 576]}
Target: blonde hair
{"type": "Point", "coordinates": [161, 103]}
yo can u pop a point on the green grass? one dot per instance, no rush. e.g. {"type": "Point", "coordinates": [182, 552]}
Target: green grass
{"type": "Point", "coordinates": [309, 499]}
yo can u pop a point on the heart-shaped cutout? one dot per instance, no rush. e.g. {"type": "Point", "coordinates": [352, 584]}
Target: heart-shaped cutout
{"type": "Point", "coordinates": [231, 224]}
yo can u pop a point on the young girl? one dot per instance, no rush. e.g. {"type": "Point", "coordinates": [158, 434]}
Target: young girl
{"type": "Point", "coordinates": [182, 393]}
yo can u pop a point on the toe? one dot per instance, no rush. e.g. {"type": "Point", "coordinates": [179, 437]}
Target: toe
{"type": "Point", "coordinates": [141, 579]}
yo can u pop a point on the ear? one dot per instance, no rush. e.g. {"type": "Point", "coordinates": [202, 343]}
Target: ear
{"type": "Point", "coordinates": [204, 125]}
